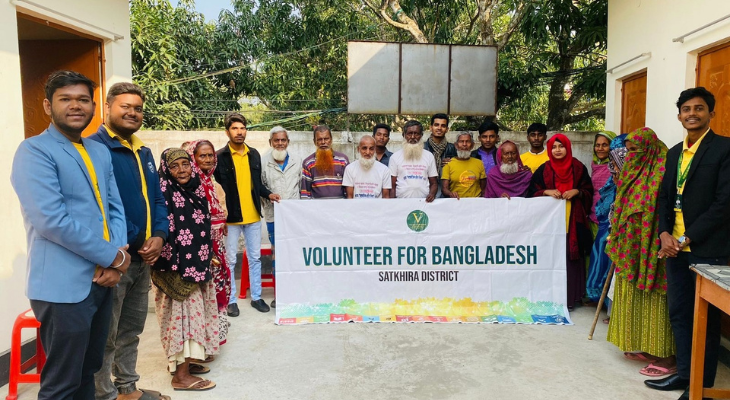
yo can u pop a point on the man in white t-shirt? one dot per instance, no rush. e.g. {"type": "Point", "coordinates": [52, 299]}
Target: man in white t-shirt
{"type": "Point", "coordinates": [413, 171]}
{"type": "Point", "coordinates": [367, 178]}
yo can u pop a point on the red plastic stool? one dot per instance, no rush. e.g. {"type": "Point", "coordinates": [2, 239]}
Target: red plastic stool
{"type": "Point", "coordinates": [267, 280]}
{"type": "Point", "coordinates": [24, 320]}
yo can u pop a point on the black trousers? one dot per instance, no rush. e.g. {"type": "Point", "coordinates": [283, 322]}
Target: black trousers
{"type": "Point", "coordinates": [681, 303]}
{"type": "Point", "coordinates": [73, 337]}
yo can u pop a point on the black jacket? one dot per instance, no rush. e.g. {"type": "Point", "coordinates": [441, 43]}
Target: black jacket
{"type": "Point", "coordinates": [225, 175]}
{"type": "Point", "coordinates": [706, 197]}
{"type": "Point", "coordinates": [450, 151]}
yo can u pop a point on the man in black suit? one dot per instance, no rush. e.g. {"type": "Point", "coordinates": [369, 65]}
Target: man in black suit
{"type": "Point", "coordinates": [694, 226]}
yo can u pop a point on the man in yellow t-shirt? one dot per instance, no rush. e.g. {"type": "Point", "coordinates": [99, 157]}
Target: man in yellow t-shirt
{"type": "Point", "coordinates": [239, 174]}
{"type": "Point", "coordinates": [536, 155]}
{"type": "Point", "coordinates": [694, 228]}
{"type": "Point", "coordinates": [464, 175]}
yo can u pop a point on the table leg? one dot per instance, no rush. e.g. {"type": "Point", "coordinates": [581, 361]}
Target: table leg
{"type": "Point", "coordinates": [699, 337]}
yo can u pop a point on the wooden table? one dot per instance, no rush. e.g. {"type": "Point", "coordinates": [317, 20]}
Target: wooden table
{"type": "Point", "coordinates": [713, 287]}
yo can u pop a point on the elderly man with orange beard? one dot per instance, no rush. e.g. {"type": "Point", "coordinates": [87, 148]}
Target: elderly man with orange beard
{"type": "Point", "coordinates": [323, 170]}
{"type": "Point", "coordinates": [413, 170]}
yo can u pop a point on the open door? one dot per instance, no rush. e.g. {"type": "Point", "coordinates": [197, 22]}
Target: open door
{"type": "Point", "coordinates": [44, 48]}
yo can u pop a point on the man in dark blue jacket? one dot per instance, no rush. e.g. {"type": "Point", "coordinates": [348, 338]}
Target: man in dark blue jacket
{"type": "Point", "coordinates": [147, 229]}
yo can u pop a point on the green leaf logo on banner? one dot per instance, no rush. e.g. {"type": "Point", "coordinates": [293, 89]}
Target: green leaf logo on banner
{"type": "Point", "coordinates": [417, 220]}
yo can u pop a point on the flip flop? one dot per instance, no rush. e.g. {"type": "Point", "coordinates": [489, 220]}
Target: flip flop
{"type": "Point", "coordinates": [196, 369]}
{"type": "Point", "coordinates": [638, 357]}
{"type": "Point", "coordinates": [152, 395]}
{"type": "Point", "coordinates": [195, 386]}
{"type": "Point", "coordinates": [659, 371]}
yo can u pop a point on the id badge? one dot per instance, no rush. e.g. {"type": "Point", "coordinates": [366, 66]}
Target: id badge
{"type": "Point", "coordinates": [678, 202]}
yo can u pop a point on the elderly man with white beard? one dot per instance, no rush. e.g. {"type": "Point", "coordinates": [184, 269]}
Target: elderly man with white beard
{"type": "Point", "coordinates": [280, 174]}
{"type": "Point", "coordinates": [413, 171]}
{"type": "Point", "coordinates": [509, 178]}
{"type": "Point", "coordinates": [366, 178]}
{"type": "Point", "coordinates": [463, 176]}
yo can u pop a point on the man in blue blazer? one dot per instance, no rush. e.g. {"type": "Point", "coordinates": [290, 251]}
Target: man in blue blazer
{"type": "Point", "coordinates": [76, 235]}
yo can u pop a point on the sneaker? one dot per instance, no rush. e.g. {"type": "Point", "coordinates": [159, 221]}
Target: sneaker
{"type": "Point", "coordinates": [260, 305]}
{"type": "Point", "coordinates": [233, 310]}
{"type": "Point", "coordinates": [273, 303]}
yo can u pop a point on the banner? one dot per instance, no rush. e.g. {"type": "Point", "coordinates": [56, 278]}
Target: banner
{"type": "Point", "coordinates": [405, 260]}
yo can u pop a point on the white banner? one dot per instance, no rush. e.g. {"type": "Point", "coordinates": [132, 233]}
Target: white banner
{"type": "Point", "coordinates": [405, 260]}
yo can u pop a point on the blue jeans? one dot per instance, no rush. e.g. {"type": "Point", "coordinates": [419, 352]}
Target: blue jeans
{"type": "Point", "coordinates": [252, 237]}
{"type": "Point", "coordinates": [129, 313]}
{"type": "Point", "coordinates": [270, 228]}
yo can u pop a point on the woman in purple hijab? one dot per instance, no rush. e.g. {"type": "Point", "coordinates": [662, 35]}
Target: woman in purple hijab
{"type": "Point", "coordinates": [509, 178]}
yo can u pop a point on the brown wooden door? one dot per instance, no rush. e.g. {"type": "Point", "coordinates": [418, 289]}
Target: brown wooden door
{"type": "Point", "coordinates": [713, 72]}
{"type": "Point", "coordinates": [38, 59]}
{"type": "Point", "coordinates": [633, 103]}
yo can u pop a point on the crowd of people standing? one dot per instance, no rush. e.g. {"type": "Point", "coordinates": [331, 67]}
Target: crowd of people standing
{"type": "Point", "coordinates": [99, 207]}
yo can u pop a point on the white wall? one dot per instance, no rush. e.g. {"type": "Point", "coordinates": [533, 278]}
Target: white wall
{"type": "Point", "coordinates": [636, 27]}
{"type": "Point", "coordinates": [301, 144]}
{"type": "Point", "coordinates": [111, 15]}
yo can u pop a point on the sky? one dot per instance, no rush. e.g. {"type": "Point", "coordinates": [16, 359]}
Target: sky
{"type": "Point", "coordinates": [209, 8]}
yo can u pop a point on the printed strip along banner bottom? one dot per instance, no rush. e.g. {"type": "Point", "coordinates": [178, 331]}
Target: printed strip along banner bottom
{"type": "Point", "coordinates": [459, 261]}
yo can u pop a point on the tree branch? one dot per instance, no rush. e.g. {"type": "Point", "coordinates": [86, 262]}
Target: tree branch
{"type": "Point", "coordinates": [596, 112]}
{"type": "Point", "coordinates": [404, 22]}
{"type": "Point", "coordinates": [513, 24]}
{"type": "Point", "coordinates": [471, 24]}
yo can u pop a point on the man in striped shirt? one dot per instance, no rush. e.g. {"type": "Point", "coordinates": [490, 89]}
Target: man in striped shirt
{"type": "Point", "coordinates": [323, 170]}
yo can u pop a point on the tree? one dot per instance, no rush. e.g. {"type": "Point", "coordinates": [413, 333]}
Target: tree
{"type": "Point", "coordinates": [555, 43]}
{"type": "Point", "coordinates": [569, 37]}
{"type": "Point", "coordinates": [177, 57]}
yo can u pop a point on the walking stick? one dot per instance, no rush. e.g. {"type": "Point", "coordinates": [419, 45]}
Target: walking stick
{"type": "Point", "coordinates": [600, 302]}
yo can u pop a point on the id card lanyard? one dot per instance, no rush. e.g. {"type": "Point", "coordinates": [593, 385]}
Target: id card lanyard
{"type": "Point", "coordinates": [681, 179]}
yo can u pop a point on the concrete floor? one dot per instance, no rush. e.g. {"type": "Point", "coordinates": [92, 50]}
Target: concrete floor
{"type": "Point", "coordinates": [406, 361]}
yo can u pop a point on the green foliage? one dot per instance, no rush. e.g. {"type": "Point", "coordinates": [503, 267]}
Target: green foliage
{"type": "Point", "coordinates": [171, 48]}
{"type": "Point", "coordinates": [291, 55]}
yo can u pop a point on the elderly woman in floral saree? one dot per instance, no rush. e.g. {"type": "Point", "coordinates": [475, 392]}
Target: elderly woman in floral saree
{"type": "Point", "coordinates": [204, 163]}
{"type": "Point", "coordinates": [639, 322]}
{"type": "Point", "coordinates": [185, 301]}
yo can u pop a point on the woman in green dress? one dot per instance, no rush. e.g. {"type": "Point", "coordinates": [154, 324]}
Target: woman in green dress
{"type": "Point", "coordinates": [640, 319]}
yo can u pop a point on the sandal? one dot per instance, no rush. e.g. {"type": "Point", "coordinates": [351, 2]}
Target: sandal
{"type": "Point", "coordinates": [152, 395]}
{"type": "Point", "coordinates": [639, 357]}
{"type": "Point", "coordinates": [195, 369]}
{"type": "Point", "coordinates": [200, 385]}
{"type": "Point", "coordinates": [655, 370]}
{"type": "Point", "coordinates": [607, 320]}
{"type": "Point", "coordinates": [207, 360]}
